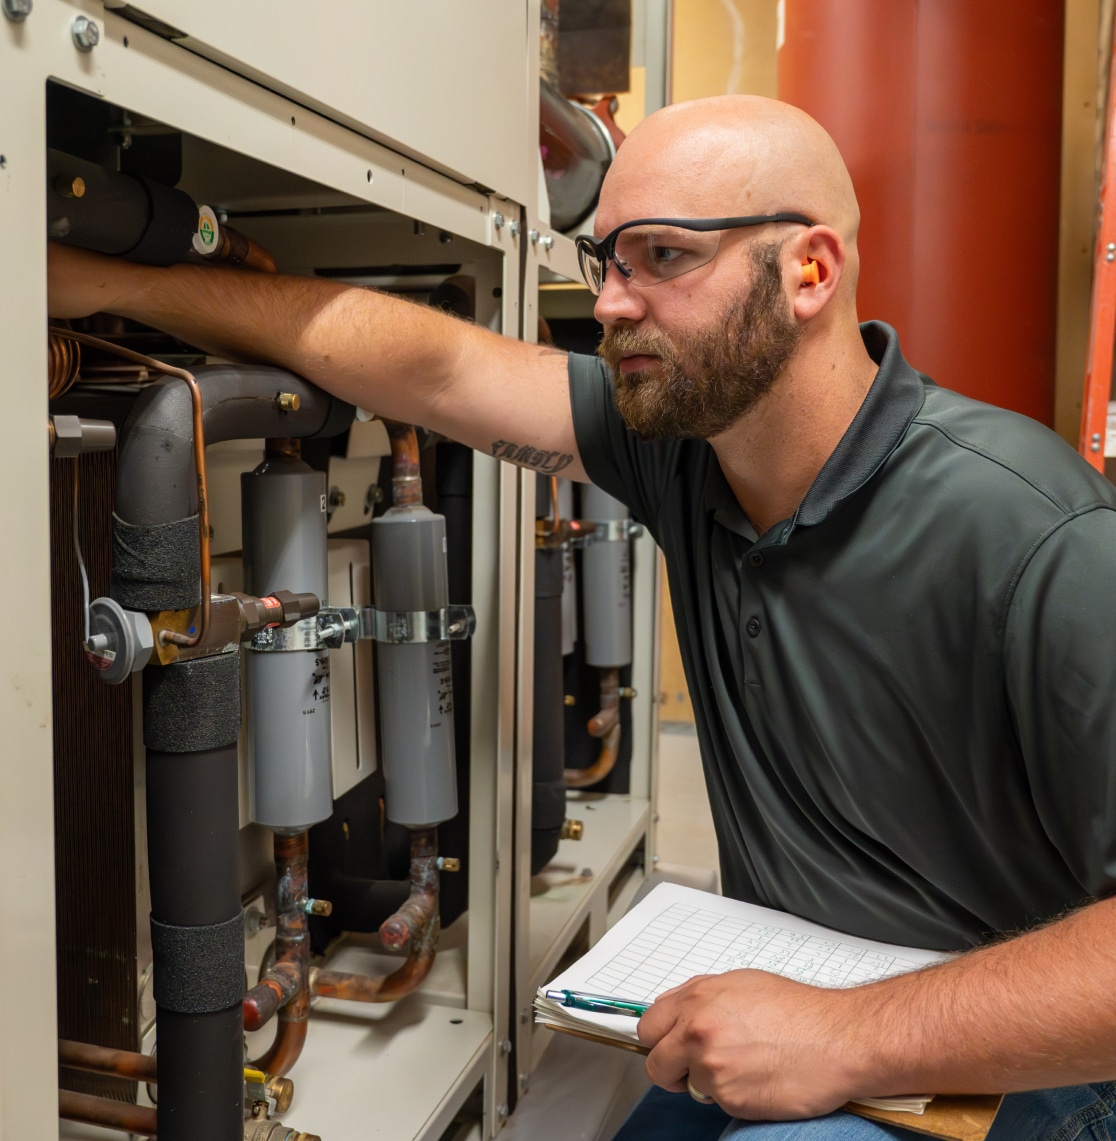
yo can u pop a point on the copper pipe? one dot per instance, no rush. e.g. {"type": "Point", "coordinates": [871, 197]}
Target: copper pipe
{"type": "Point", "coordinates": [272, 992]}
{"type": "Point", "coordinates": [604, 724]}
{"type": "Point", "coordinates": [292, 957]}
{"type": "Point", "coordinates": [64, 362]}
{"type": "Point", "coordinates": [103, 1060]}
{"type": "Point", "coordinates": [120, 1115]}
{"type": "Point", "coordinates": [199, 468]}
{"type": "Point", "coordinates": [237, 250]}
{"type": "Point", "coordinates": [417, 921]}
{"type": "Point", "coordinates": [406, 482]}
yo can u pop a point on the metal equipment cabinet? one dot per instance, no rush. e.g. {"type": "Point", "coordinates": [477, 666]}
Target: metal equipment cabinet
{"type": "Point", "coordinates": [304, 106]}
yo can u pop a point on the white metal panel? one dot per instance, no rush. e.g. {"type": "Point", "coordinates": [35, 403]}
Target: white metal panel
{"type": "Point", "coordinates": [28, 1050]}
{"type": "Point", "coordinates": [418, 76]}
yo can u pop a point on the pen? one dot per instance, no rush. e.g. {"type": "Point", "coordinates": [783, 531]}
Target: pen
{"type": "Point", "coordinates": [601, 1003]}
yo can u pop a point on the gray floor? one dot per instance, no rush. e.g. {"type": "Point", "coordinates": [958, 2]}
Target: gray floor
{"type": "Point", "coordinates": [582, 1091]}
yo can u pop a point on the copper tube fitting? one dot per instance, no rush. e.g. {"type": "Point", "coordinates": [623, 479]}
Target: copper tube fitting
{"type": "Point", "coordinates": [406, 482]}
{"type": "Point", "coordinates": [179, 639]}
{"type": "Point", "coordinates": [103, 1060]}
{"type": "Point", "coordinates": [292, 959]}
{"type": "Point", "coordinates": [416, 921]}
{"type": "Point", "coordinates": [604, 724]}
{"type": "Point", "coordinates": [120, 1115]}
{"type": "Point", "coordinates": [572, 830]}
{"type": "Point", "coordinates": [272, 992]}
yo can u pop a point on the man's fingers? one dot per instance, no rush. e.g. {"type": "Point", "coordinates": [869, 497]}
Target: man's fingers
{"type": "Point", "coordinates": [667, 1067]}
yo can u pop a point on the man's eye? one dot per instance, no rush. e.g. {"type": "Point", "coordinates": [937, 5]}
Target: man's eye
{"type": "Point", "coordinates": [664, 255]}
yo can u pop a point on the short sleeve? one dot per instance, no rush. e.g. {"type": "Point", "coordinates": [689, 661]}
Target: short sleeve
{"type": "Point", "coordinates": [1060, 662]}
{"type": "Point", "coordinates": [635, 471]}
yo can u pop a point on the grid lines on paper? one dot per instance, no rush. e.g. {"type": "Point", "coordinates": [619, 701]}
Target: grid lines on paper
{"type": "Point", "coordinates": [684, 941]}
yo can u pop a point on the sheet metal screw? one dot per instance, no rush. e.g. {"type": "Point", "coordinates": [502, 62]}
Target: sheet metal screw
{"type": "Point", "coordinates": [1095, 442]}
{"type": "Point", "coordinates": [17, 10]}
{"type": "Point", "coordinates": [513, 228]}
{"type": "Point", "coordinates": [502, 1112]}
{"type": "Point", "coordinates": [86, 34]}
{"type": "Point", "coordinates": [547, 242]}
{"type": "Point", "coordinates": [505, 1046]}
{"type": "Point", "coordinates": [533, 237]}
{"type": "Point", "coordinates": [288, 401]}
{"type": "Point", "coordinates": [498, 220]}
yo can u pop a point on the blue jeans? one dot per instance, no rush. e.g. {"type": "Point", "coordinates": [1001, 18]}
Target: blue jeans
{"type": "Point", "coordinates": [1072, 1113]}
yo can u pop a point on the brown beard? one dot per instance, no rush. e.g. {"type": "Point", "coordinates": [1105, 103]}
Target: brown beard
{"type": "Point", "coordinates": [706, 380]}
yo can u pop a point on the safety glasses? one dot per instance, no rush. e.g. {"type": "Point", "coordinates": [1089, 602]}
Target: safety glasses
{"type": "Point", "coordinates": [652, 250]}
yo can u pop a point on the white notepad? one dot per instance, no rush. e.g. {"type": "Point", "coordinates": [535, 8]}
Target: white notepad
{"type": "Point", "coordinates": [678, 932]}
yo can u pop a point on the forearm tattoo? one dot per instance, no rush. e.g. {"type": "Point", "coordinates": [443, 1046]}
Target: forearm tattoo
{"type": "Point", "coordinates": [549, 463]}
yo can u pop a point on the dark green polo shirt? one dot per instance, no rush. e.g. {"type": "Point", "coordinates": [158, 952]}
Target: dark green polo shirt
{"type": "Point", "coordinates": [905, 693]}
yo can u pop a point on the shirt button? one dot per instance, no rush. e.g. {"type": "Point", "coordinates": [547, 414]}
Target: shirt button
{"type": "Point", "coordinates": [752, 627]}
{"type": "Point", "coordinates": [756, 559]}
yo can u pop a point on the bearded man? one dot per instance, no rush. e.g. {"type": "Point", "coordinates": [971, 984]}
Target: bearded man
{"type": "Point", "coordinates": [888, 600]}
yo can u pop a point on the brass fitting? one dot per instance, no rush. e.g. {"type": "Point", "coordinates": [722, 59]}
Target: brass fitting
{"type": "Point", "coordinates": [281, 1090]}
{"type": "Point", "coordinates": [569, 700]}
{"type": "Point", "coordinates": [288, 401]}
{"type": "Point", "coordinates": [449, 864]}
{"type": "Point", "coordinates": [317, 907]}
{"type": "Point", "coordinates": [572, 830]}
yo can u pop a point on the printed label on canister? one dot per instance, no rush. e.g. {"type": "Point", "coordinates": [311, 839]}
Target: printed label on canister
{"type": "Point", "coordinates": [205, 240]}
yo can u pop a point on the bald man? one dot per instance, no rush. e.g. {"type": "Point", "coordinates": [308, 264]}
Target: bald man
{"type": "Point", "coordinates": [889, 600]}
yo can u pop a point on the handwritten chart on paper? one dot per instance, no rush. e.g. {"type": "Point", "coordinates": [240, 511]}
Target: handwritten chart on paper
{"type": "Point", "coordinates": [685, 940]}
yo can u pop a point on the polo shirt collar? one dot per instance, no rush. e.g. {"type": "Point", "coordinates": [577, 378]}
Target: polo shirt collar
{"type": "Point", "coordinates": [893, 401]}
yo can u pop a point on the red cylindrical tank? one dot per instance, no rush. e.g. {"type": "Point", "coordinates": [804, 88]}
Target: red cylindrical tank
{"type": "Point", "coordinates": [948, 114]}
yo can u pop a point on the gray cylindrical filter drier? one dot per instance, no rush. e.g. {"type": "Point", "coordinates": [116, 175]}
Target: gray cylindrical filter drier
{"type": "Point", "coordinates": [283, 513]}
{"type": "Point", "coordinates": [606, 584]}
{"type": "Point", "coordinates": [416, 682]}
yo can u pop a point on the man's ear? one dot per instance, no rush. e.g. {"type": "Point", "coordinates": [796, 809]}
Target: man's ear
{"type": "Point", "coordinates": [819, 253]}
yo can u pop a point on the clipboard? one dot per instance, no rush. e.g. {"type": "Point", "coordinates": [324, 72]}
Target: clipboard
{"type": "Point", "coordinates": [947, 1117]}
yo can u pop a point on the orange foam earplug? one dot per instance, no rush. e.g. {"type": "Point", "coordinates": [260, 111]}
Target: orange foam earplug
{"type": "Point", "coordinates": [810, 274]}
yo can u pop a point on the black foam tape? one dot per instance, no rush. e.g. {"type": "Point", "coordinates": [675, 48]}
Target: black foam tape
{"type": "Point", "coordinates": [191, 707]}
{"type": "Point", "coordinates": [156, 568]}
{"type": "Point", "coordinates": [198, 970]}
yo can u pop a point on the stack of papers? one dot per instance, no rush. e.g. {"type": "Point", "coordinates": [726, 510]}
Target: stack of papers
{"type": "Point", "coordinates": [677, 932]}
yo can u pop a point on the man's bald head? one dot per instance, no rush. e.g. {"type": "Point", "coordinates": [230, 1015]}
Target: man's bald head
{"type": "Point", "coordinates": [729, 155]}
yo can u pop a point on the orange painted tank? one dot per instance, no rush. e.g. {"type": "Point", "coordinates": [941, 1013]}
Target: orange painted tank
{"type": "Point", "coordinates": [948, 114]}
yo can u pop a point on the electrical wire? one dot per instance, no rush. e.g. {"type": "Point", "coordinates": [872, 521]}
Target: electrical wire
{"type": "Point", "coordinates": [85, 605]}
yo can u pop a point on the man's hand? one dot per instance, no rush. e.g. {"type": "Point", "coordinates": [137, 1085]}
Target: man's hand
{"type": "Point", "coordinates": [763, 1047]}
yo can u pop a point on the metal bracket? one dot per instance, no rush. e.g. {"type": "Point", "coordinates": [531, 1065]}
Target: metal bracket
{"type": "Point", "coordinates": [338, 625]}
{"type": "Point", "coordinates": [303, 635]}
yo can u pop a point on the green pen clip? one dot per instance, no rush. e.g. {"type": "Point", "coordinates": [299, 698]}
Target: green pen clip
{"type": "Point", "coordinates": [599, 1003]}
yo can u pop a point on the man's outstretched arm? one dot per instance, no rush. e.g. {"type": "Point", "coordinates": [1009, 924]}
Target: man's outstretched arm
{"type": "Point", "coordinates": [1033, 1012]}
{"type": "Point", "coordinates": [401, 360]}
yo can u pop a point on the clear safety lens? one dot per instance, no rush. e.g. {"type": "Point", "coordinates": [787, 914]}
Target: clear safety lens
{"type": "Point", "coordinates": [650, 254]}
{"type": "Point", "coordinates": [592, 267]}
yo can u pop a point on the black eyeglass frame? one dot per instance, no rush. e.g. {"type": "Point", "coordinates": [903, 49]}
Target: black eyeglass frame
{"type": "Point", "coordinates": [604, 250]}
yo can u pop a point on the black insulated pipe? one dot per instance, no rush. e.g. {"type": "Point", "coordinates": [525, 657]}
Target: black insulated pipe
{"type": "Point", "coordinates": [548, 785]}
{"type": "Point", "coordinates": [191, 723]}
{"type": "Point", "coordinates": [155, 527]}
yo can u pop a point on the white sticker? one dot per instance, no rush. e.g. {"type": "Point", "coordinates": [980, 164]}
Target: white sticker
{"type": "Point", "coordinates": [205, 240]}
{"type": "Point", "coordinates": [323, 505]}
{"type": "Point", "coordinates": [1110, 431]}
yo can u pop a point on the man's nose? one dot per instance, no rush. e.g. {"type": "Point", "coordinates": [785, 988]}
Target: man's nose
{"type": "Point", "coordinates": [618, 301]}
